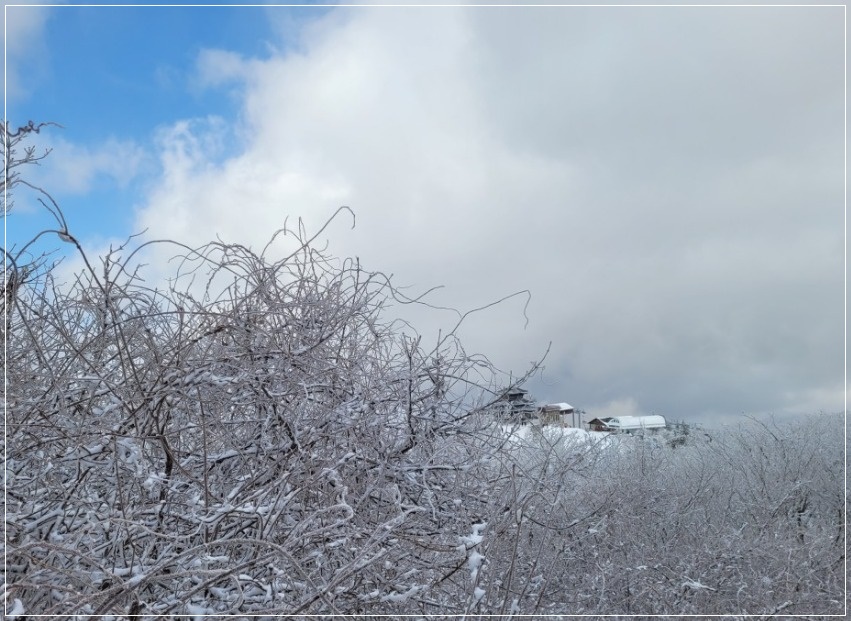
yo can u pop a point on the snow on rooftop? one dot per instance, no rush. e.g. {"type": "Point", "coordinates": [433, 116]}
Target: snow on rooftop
{"type": "Point", "coordinates": [638, 422]}
{"type": "Point", "coordinates": [557, 406]}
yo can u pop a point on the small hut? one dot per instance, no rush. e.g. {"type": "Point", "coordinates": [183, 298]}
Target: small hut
{"type": "Point", "coordinates": [599, 424]}
{"type": "Point", "coordinates": [562, 414]}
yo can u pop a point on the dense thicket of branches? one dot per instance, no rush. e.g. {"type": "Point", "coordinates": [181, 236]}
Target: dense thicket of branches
{"type": "Point", "coordinates": [255, 438]}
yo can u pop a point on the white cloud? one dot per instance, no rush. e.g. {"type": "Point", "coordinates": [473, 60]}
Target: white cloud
{"type": "Point", "coordinates": [217, 67]}
{"type": "Point", "coordinates": [667, 183]}
{"type": "Point", "coordinates": [25, 50]}
{"type": "Point", "coordinates": [74, 168]}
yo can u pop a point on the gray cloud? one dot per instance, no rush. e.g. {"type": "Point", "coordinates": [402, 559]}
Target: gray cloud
{"type": "Point", "coordinates": [667, 182]}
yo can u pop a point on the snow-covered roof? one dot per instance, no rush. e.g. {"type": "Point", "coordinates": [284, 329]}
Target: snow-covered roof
{"type": "Point", "coordinates": [562, 407]}
{"type": "Point", "coordinates": [638, 422]}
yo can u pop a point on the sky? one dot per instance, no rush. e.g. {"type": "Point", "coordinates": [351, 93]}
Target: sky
{"type": "Point", "coordinates": [667, 183]}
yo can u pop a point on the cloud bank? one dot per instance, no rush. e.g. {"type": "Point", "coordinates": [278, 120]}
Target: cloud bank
{"type": "Point", "coordinates": [667, 183]}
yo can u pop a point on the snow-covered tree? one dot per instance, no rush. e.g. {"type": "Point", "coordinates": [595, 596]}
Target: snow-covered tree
{"type": "Point", "coordinates": [269, 445]}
